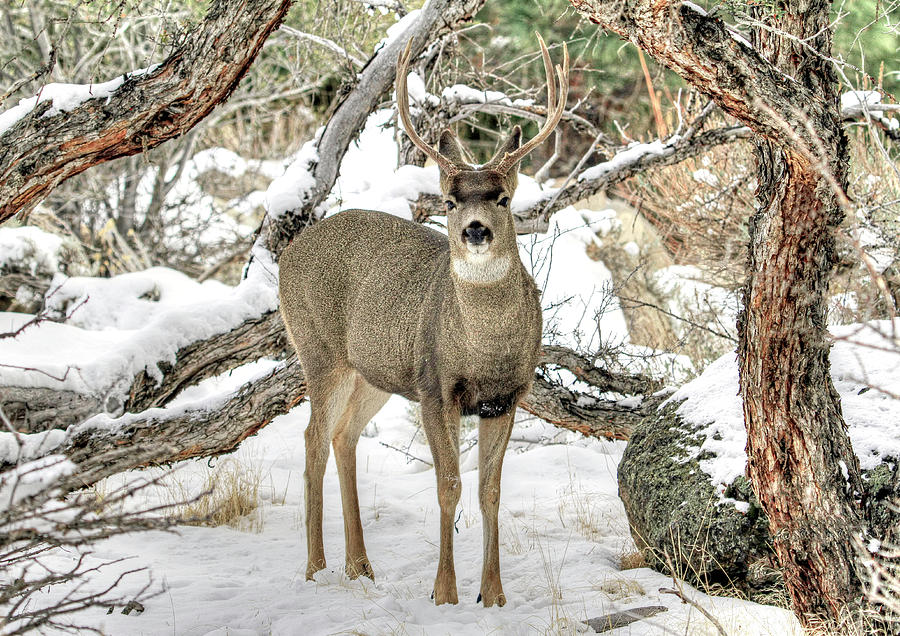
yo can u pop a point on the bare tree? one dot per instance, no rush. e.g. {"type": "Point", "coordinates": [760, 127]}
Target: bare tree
{"type": "Point", "coordinates": [781, 85]}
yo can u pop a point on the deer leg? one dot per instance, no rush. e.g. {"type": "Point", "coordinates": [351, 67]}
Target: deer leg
{"type": "Point", "coordinates": [442, 429]}
{"type": "Point", "coordinates": [493, 436]}
{"type": "Point", "coordinates": [327, 399]}
{"type": "Point", "coordinates": [364, 403]}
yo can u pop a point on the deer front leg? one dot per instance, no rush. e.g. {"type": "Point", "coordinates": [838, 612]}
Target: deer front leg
{"type": "Point", "coordinates": [442, 429]}
{"type": "Point", "coordinates": [493, 436]}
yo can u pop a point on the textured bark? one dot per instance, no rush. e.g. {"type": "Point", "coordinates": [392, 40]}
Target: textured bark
{"type": "Point", "coordinates": [155, 437]}
{"type": "Point", "coordinates": [702, 50]}
{"type": "Point", "coordinates": [253, 339]}
{"type": "Point", "coordinates": [39, 152]}
{"type": "Point", "coordinates": [31, 409]}
{"type": "Point", "coordinates": [783, 89]}
{"type": "Point", "coordinates": [567, 409]}
{"type": "Point", "coordinates": [799, 456]}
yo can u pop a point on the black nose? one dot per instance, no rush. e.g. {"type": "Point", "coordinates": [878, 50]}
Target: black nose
{"type": "Point", "coordinates": [476, 233]}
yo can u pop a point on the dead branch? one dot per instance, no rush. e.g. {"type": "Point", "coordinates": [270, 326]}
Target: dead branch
{"type": "Point", "coordinates": [42, 150]}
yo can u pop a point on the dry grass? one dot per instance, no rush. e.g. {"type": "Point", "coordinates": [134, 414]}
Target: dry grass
{"type": "Point", "coordinates": [232, 497]}
{"type": "Point", "coordinates": [632, 560]}
{"type": "Point", "coordinates": [620, 588]}
{"type": "Point", "coordinates": [583, 511]}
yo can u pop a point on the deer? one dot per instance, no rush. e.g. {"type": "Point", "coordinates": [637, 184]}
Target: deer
{"type": "Point", "coordinates": [378, 305]}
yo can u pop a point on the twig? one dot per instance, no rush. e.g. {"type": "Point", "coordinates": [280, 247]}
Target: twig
{"type": "Point", "coordinates": [328, 44]}
{"type": "Point", "coordinates": [641, 303]}
{"type": "Point", "coordinates": [685, 599]}
{"type": "Point", "coordinates": [408, 454]}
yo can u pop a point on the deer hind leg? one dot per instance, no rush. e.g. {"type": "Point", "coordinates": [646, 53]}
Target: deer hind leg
{"type": "Point", "coordinates": [365, 401]}
{"type": "Point", "coordinates": [441, 426]}
{"type": "Point", "coordinates": [328, 395]}
{"type": "Point", "coordinates": [493, 436]}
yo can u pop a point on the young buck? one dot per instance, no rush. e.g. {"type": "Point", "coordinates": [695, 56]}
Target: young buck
{"type": "Point", "coordinates": [375, 305]}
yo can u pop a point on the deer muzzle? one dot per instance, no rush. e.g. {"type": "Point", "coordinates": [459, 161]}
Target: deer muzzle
{"type": "Point", "coordinates": [477, 237]}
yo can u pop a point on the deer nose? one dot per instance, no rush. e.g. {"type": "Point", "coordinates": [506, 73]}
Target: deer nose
{"type": "Point", "coordinates": [476, 233]}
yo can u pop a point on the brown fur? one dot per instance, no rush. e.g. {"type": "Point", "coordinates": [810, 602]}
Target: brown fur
{"type": "Point", "coordinates": [377, 305]}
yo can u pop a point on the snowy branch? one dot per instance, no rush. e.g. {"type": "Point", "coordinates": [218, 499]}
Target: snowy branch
{"type": "Point", "coordinates": [627, 162]}
{"type": "Point", "coordinates": [48, 146]}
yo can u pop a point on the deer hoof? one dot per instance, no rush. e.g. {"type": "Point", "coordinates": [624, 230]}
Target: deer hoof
{"type": "Point", "coordinates": [358, 569]}
{"type": "Point", "coordinates": [495, 597]}
{"type": "Point", "coordinates": [312, 567]}
{"type": "Point", "coordinates": [445, 594]}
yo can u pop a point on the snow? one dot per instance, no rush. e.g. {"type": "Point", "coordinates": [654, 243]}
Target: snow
{"type": "Point", "coordinates": [417, 93]}
{"type": "Point", "coordinates": [31, 478]}
{"type": "Point", "coordinates": [116, 330]}
{"type": "Point", "coordinates": [28, 244]}
{"type": "Point", "coordinates": [633, 153]}
{"type": "Point", "coordinates": [706, 177]}
{"type": "Point", "coordinates": [397, 29]}
{"type": "Point", "coordinates": [17, 448]}
{"type": "Point", "coordinates": [462, 94]}
{"type": "Point", "coordinates": [562, 532]}
{"type": "Point", "coordinates": [580, 310]}
{"type": "Point", "coordinates": [857, 100]}
{"type": "Point", "coordinates": [291, 189]}
{"type": "Point", "coordinates": [64, 97]}
{"type": "Point", "coordinates": [865, 368]}
{"type": "Point", "coordinates": [694, 7]}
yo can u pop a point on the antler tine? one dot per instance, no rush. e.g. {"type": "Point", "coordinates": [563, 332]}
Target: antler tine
{"type": "Point", "coordinates": [403, 109]}
{"type": "Point", "coordinates": [555, 106]}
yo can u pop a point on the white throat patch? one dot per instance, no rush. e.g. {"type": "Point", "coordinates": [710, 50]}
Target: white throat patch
{"type": "Point", "coordinates": [480, 269]}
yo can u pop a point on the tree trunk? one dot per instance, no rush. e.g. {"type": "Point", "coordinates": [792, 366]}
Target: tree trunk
{"type": "Point", "coordinates": [800, 460]}
{"type": "Point", "coordinates": [782, 87]}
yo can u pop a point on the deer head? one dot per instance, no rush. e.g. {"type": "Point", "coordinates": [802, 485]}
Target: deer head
{"type": "Point", "coordinates": [480, 225]}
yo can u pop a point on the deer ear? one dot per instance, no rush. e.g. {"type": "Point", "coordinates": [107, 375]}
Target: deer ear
{"type": "Point", "coordinates": [511, 144]}
{"type": "Point", "coordinates": [450, 148]}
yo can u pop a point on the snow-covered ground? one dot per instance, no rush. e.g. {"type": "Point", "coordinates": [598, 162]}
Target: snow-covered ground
{"type": "Point", "coordinates": [563, 530]}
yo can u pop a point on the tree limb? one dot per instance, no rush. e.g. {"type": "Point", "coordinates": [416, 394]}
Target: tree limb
{"type": "Point", "coordinates": [624, 164]}
{"type": "Point", "coordinates": [701, 49]}
{"type": "Point", "coordinates": [38, 152]}
{"type": "Point", "coordinates": [103, 446]}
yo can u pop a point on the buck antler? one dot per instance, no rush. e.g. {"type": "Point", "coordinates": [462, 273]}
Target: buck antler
{"type": "Point", "coordinates": [447, 166]}
{"type": "Point", "coordinates": [555, 108]}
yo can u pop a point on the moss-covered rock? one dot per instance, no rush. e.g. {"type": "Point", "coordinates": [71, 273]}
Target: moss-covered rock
{"type": "Point", "coordinates": [677, 516]}
{"type": "Point", "coordinates": [710, 538]}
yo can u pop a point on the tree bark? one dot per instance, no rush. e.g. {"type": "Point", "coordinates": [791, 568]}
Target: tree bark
{"type": "Point", "coordinates": [799, 456]}
{"type": "Point", "coordinates": [800, 459]}
{"type": "Point", "coordinates": [39, 152]}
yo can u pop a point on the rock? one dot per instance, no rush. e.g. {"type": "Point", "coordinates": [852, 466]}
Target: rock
{"type": "Point", "coordinates": [609, 622]}
{"type": "Point", "coordinates": [678, 519]}
{"type": "Point", "coordinates": [676, 515]}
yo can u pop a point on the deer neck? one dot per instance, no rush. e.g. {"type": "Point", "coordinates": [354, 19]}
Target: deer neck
{"type": "Point", "coordinates": [490, 295]}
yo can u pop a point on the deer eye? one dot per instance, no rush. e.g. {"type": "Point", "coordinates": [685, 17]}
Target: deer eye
{"type": "Point", "coordinates": [504, 202]}
{"type": "Point", "coordinates": [450, 205]}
